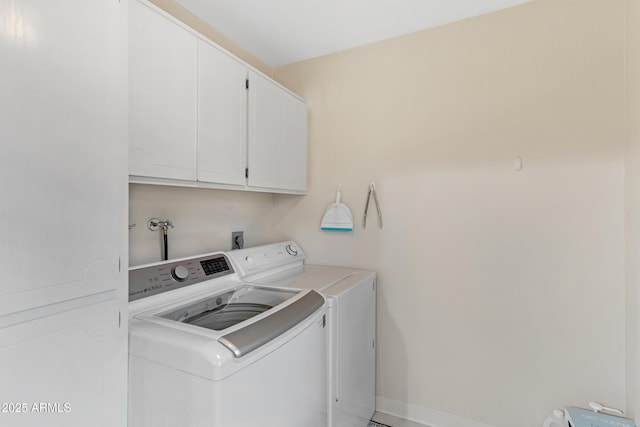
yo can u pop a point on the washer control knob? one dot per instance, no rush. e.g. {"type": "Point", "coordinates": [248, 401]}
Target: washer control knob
{"type": "Point", "coordinates": [291, 250]}
{"type": "Point", "coordinates": [180, 273]}
{"type": "Point", "coordinates": [249, 259]}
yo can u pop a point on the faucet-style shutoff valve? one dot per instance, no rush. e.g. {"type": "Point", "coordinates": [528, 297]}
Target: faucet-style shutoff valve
{"type": "Point", "coordinates": [154, 224]}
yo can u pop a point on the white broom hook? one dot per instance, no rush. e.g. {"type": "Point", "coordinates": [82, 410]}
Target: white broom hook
{"type": "Point", "coordinates": [339, 193]}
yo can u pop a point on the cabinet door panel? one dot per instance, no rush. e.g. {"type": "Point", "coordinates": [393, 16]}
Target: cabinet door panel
{"type": "Point", "coordinates": [162, 92]}
{"type": "Point", "coordinates": [294, 175]}
{"type": "Point", "coordinates": [63, 186]}
{"type": "Point", "coordinates": [62, 156]}
{"type": "Point", "coordinates": [355, 356]}
{"type": "Point", "coordinates": [266, 124]}
{"type": "Point", "coordinates": [277, 137]}
{"type": "Point", "coordinates": [75, 360]}
{"type": "Point", "coordinates": [222, 117]}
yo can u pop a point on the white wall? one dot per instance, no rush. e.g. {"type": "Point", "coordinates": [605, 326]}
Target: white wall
{"type": "Point", "coordinates": [501, 293]}
{"type": "Point", "coordinates": [203, 220]}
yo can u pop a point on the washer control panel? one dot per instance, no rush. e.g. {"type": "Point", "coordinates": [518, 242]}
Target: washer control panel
{"type": "Point", "coordinates": [158, 278]}
{"type": "Point", "coordinates": [261, 258]}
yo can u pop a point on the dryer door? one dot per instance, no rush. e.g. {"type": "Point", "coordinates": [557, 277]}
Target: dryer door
{"type": "Point", "coordinates": [354, 360]}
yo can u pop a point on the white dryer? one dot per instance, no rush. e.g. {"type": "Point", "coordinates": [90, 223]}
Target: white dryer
{"type": "Point", "coordinates": [206, 350]}
{"type": "Point", "coordinates": [351, 318]}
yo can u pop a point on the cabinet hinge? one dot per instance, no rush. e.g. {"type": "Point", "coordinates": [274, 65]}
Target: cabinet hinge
{"type": "Point", "coordinates": [246, 173]}
{"type": "Point", "coordinates": [246, 83]}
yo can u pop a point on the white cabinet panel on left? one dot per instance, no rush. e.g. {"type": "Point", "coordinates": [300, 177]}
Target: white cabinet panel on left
{"type": "Point", "coordinates": [63, 369]}
{"type": "Point", "coordinates": [63, 186]}
{"type": "Point", "coordinates": [62, 150]}
{"type": "Point", "coordinates": [162, 94]}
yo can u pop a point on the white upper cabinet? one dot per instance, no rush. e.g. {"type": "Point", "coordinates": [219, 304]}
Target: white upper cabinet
{"type": "Point", "coordinates": [193, 121]}
{"type": "Point", "coordinates": [162, 95]}
{"type": "Point", "coordinates": [277, 136]}
{"type": "Point", "coordinates": [222, 117]}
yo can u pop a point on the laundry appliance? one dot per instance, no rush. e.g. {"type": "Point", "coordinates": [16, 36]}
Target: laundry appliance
{"type": "Point", "coordinates": [208, 350]}
{"type": "Point", "coordinates": [351, 319]}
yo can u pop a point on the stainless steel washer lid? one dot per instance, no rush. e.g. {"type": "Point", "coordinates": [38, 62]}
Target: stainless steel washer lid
{"type": "Point", "coordinates": [254, 335]}
{"type": "Point", "coordinates": [198, 351]}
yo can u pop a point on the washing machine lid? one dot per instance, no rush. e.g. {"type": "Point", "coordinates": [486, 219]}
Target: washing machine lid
{"type": "Point", "coordinates": [330, 281]}
{"type": "Point", "coordinates": [162, 335]}
{"type": "Point", "coordinates": [354, 278]}
{"type": "Point", "coordinates": [255, 335]}
{"type": "Point", "coordinates": [307, 277]}
{"type": "Point", "coordinates": [225, 310]}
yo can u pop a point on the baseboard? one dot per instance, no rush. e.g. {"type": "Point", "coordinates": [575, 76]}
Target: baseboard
{"type": "Point", "coordinates": [423, 415]}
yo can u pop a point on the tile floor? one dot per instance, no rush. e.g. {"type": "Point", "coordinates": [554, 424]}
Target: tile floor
{"type": "Point", "coordinates": [394, 421]}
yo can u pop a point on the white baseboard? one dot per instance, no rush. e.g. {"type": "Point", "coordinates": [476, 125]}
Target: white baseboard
{"type": "Point", "coordinates": [423, 415]}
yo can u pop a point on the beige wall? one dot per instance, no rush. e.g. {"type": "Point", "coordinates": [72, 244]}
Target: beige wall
{"type": "Point", "coordinates": [632, 196]}
{"type": "Point", "coordinates": [179, 12]}
{"type": "Point", "coordinates": [501, 293]}
{"type": "Point", "coordinates": [203, 220]}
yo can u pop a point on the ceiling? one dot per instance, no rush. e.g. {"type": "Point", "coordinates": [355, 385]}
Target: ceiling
{"type": "Point", "coordinates": [280, 32]}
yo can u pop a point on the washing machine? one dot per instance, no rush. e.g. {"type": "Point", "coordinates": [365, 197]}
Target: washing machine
{"type": "Point", "coordinates": [351, 321]}
{"type": "Point", "coordinates": [208, 350]}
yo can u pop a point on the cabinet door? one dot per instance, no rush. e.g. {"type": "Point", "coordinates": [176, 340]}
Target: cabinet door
{"type": "Point", "coordinates": [62, 155]}
{"type": "Point", "coordinates": [162, 92]}
{"type": "Point", "coordinates": [63, 185]}
{"type": "Point", "coordinates": [294, 176]}
{"type": "Point", "coordinates": [354, 354]}
{"type": "Point", "coordinates": [73, 362]}
{"type": "Point", "coordinates": [277, 137]}
{"type": "Point", "coordinates": [222, 117]}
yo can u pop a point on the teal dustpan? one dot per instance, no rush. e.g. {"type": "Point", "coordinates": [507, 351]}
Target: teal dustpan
{"type": "Point", "coordinates": [337, 216]}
